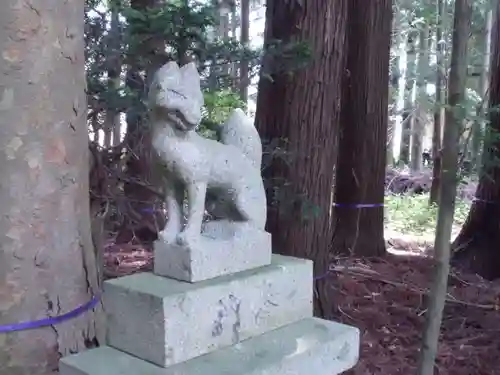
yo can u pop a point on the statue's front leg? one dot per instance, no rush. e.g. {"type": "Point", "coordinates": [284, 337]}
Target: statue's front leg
{"type": "Point", "coordinates": [174, 201]}
{"type": "Point", "coordinates": [196, 208]}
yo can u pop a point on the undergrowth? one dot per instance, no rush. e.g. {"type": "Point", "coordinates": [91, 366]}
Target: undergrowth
{"type": "Point", "coordinates": [412, 215]}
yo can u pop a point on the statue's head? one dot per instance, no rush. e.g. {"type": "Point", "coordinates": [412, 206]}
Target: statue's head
{"type": "Point", "coordinates": [177, 92]}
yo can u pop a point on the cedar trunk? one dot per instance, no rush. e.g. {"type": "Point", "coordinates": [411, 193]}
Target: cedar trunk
{"type": "Point", "coordinates": [362, 137]}
{"type": "Point", "coordinates": [477, 246]}
{"type": "Point", "coordinates": [47, 263]}
{"type": "Point", "coordinates": [297, 116]}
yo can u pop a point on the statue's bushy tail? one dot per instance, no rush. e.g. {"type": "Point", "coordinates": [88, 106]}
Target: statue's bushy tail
{"type": "Point", "coordinates": [239, 131]}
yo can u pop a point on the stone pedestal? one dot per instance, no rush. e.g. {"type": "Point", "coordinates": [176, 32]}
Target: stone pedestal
{"type": "Point", "coordinates": [258, 321]}
{"type": "Point", "coordinates": [221, 249]}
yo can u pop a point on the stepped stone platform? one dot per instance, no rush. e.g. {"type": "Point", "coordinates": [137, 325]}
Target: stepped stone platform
{"type": "Point", "coordinates": [166, 321]}
{"type": "Point", "coordinates": [256, 322]}
{"type": "Point", "coordinates": [309, 346]}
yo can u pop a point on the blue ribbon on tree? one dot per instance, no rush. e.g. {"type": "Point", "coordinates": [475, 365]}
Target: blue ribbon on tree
{"type": "Point", "coordinates": [52, 320]}
{"type": "Point", "coordinates": [476, 199]}
{"type": "Point", "coordinates": [359, 205]}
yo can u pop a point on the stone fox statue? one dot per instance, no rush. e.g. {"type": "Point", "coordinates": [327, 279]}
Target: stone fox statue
{"type": "Point", "coordinates": [228, 170]}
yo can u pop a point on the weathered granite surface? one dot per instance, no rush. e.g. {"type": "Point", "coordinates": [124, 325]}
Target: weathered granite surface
{"type": "Point", "coordinates": [309, 346]}
{"type": "Point", "coordinates": [165, 321]}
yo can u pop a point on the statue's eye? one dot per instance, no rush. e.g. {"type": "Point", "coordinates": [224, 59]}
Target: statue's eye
{"type": "Point", "coordinates": [177, 93]}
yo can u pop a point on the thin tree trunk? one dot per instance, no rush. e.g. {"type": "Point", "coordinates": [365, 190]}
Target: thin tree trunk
{"type": "Point", "coordinates": [234, 22]}
{"type": "Point", "coordinates": [245, 28]}
{"type": "Point", "coordinates": [438, 108]}
{"type": "Point", "coordinates": [142, 183]}
{"type": "Point", "coordinates": [421, 84]}
{"type": "Point", "coordinates": [478, 127]}
{"type": "Point", "coordinates": [223, 32]}
{"type": "Point", "coordinates": [453, 129]}
{"type": "Point", "coordinates": [299, 113]}
{"type": "Point", "coordinates": [360, 168]}
{"type": "Point", "coordinates": [408, 116]}
{"type": "Point", "coordinates": [478, 243]}
{"type": "Point", "coordinates": [47, 262]}
{"type": "Point", "coordinates": [112, 120]}
{"type": "Point", "coordinates": [395, 76]}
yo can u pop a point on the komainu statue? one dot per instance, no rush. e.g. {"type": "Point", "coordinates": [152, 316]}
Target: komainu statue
{"type": "Point", "coordinates": [197, 167]}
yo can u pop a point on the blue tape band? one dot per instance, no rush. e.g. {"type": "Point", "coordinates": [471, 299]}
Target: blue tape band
{"type": "Point", "coordinates": [476, 199]}
{"type": "Point", "coordinates": [51, 321]}
{"type": "Point", "coordinates": [322, 276]}
{"type": "Point", "coordinates": [359, 205]}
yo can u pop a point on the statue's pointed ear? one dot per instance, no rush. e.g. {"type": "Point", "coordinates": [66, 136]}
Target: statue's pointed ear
{"type": "Point", "coordinates": [169, 68]}
{"type": "Point", "coordinates": [191, 81]}
{"type": "Point", "coordinates": [168, 71]}
{"type": "Point", "coordinates": [190, 74]}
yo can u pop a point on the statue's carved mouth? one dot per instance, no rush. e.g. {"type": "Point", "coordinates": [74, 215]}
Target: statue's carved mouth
{"type": "Point", "coordinates": [179, 120]}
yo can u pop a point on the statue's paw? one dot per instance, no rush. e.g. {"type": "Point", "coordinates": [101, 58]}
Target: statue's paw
{"type": "Point", "coordinates": [167, 236]}
{"type": "Point", "coordinates": [187, 239]}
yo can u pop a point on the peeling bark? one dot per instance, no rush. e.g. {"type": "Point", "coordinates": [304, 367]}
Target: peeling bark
{"type": "Point", "coordinates": [47, 263]}
{"type": "Point", "coordinates": [297, 116]}
{"type": "Point", "coordinates": [362, 140]}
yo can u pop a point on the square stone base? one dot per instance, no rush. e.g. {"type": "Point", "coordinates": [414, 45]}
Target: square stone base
{"type": "Point", "coordinates": [310, 346]}
{"type": "Point", "coordinates": [223, 248]}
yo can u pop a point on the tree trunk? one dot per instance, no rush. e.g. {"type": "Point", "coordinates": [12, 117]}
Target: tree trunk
{"type": "Point", "coordinates": [395, 76]}
{"type": "Point", "coordinates": [477, 245]}
{"type": "Point", "coordinates": [438, 109]}
{"type": "Point", "coordinates": [112, 135]}
{"type": "Point", "coordinates": [223, 32]}
{"type": "Point", "coordinates": [360, 168]}
{"type": "Point", "coordinates": [478, 126]}
{"type": "Point", "coordinates": [452, 131]}
{"type": "Point", "coordinates": [408, 117]}
{"type": "Point", "coordinates": [244, 39]}
{"type": "Point", "coordinates": [47, 262]}
{"type": "Point", "coordinates": [420, 117]}
{"type": "Point", "coordinates": [141, 188]}
{"type": "Point", "coordinates": [235, 22]}
{"type": "Point", "coordinates": [297, 116]}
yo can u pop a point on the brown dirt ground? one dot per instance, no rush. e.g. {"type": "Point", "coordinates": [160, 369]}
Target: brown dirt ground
{"type": "Point", "coordinates": [385, 298]}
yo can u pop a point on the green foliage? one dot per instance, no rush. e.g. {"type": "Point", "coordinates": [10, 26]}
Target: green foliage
{"type": "Point", "coordinates": [218, 106]}
{"type": "Point", "coordinates": [146, 39]}
{"type": "Point", "coordinates": [182, 29]}
{"type": "Point", "coordinates": [412, 215]}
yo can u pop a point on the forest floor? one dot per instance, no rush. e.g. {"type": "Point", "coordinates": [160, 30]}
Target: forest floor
{"type": "Point", "coordinates": [385, 298]}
